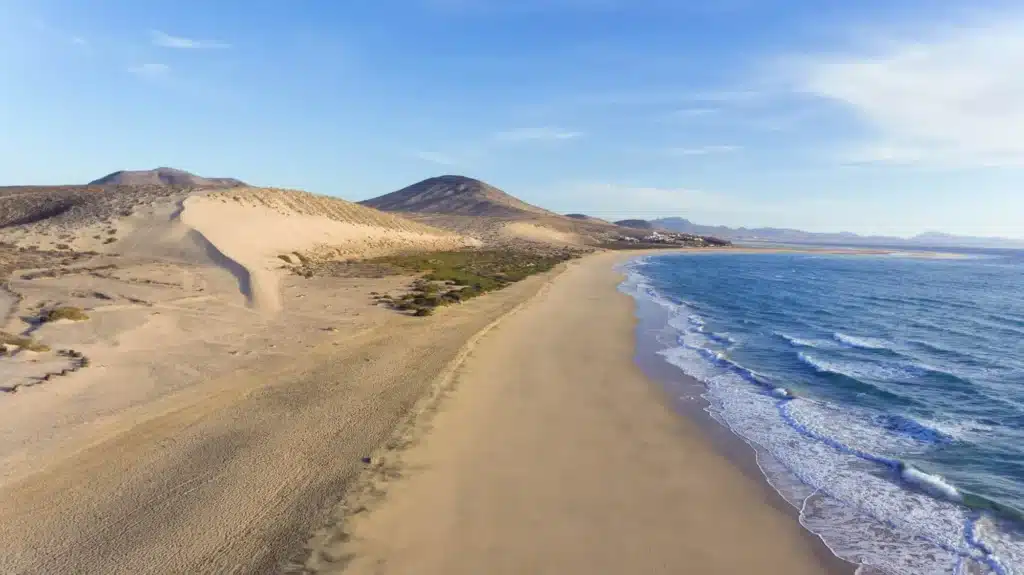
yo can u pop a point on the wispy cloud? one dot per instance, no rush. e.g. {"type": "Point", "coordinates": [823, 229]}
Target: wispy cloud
{"type": "Point", "coordinates": [151, 72]}
{"type": "Point", "coordinates": [952, 97]}
{"type": "Point", "coordinates": [471, 152]}
{"type": "Point", "coordinates": [687, 113]}
{"type": "Point", "coordinates": [536, 134]}
{"type": "Point", "coordinates": [703, 150]}
{"type": "Point", "coordinates": [165, 40]}
{"type": "Point", "coordinates": [436, 158]}
{"type": "Point", "coordinates": [613, 199]}
{"type": "Point", "coordinates": [491, 7]}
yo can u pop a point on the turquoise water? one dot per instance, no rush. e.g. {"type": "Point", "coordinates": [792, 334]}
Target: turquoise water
{"type": "Point", "coordinates": [884, 395]}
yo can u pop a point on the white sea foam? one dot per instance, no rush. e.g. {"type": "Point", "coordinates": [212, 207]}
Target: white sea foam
{"type": "Point", "coordinates": [834, 465]}
{"type": "Point", "coordinates": [822, 365]}
{"type": "Point", "coordinates": [861, 342]}
{"type": "Point", "coordinates": [863, 371]}
{"type": "Point", "coordinates": [797, 341]}
{"type": "Point", "coordinates": [960, 430]}
{"type": "Point", "coordinates": [933, 484]}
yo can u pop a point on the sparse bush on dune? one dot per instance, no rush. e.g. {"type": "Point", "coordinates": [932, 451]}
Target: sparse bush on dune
{"type": "Point", "coordinates": [63, 312]}
{"type": "Point", "coordinates": [22, 342]}
{"type": "Point", "coordinates": [454, 277]}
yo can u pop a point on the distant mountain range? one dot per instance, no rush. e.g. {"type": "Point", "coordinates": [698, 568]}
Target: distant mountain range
{"type": "Point", "coordinates": [785, 235]}
{"type": "Point", "coordinates": [460, 196]}
{"type": "Point", "coordinates": [164, 177]}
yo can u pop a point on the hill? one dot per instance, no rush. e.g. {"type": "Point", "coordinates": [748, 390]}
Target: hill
{"type": "Point", "coordinates": [455, 195]}
{"type": "Point", "coordinates": [164, 177]}
{"type": "Point", "coordinates": [635, 224]}
{"type": "Point", "coordinates": [586, 218]}
{"type": "Point", "coordinates": [478, 209]}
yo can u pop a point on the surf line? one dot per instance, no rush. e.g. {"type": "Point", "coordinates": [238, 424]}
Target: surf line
{"type": "Point", "coordinates": [902, 470]}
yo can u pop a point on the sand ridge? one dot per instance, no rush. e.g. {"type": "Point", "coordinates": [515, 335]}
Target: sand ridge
{"type": "Point", "coordinates": [269, 223]}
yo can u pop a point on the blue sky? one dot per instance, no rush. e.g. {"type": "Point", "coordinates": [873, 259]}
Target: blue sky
{"type": "Point", "coordinates": [868, 116]}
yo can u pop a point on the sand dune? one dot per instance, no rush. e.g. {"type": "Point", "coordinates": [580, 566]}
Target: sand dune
{"type": "Point", "coordinates": [250, 227]}
{"type": "Point", "coordinates": [540, 233]}
{"type": "Point", "coordinates": [242, 231]}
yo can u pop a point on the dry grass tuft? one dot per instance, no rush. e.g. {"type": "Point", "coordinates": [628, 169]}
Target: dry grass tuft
{"type": "Point", "coordinates": [64, 312]}
{"type": "Point", "coordinates": [21, 342]}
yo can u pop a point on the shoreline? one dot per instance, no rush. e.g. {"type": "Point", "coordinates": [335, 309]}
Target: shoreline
{"type": "Point", "coordinates": [685, 394]}
{"type": "Point", "coordinates": [597, 453]}
{"type": "Point", "coordinates": [305, 411]}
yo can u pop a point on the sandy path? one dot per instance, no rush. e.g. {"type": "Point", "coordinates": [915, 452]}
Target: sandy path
{"type": "Point", "coordinates": [231, 474]}
{"type": "Point", "coordinates": [555, 455]}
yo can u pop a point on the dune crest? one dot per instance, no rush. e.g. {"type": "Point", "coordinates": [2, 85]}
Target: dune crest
{"type": "Point", "coordinates": [251, 227]}
{"type": "Point", "coordinates": [241, 230]}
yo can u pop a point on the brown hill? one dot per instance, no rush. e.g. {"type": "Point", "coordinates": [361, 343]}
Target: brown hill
{"type": "Point", "coordinates": [635, 224]}
{"type": "Point", "coordinates": [477, 209]}
{"type": "Point", "coordinates": [164, 177]}
{"type": "Point", "coordinates": [586, 218]}
{"type": "Point", "coordinates": [455, 195]}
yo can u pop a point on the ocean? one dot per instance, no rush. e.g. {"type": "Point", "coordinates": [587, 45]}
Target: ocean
{"type": "Point", "coordinates": [883, 395]}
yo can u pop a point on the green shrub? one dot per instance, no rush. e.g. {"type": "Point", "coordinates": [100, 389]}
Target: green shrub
{"type": "Point", "coordinates": [451, 277]}
{"type": "Point", "coordinates": [22, 342]}
{"type": "Point", "coordinates": [64, 312]}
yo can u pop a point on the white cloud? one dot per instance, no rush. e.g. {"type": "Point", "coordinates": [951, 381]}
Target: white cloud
{"type": "Point", "coordinates": [954, 98]}
{"type": "Point", "coordinates": [536, 134]}
{"type": "Point", "coordinates": [164, 40]}
{"type": "Point", "coordinates": [151, 71]}
{"type": "Point", "coordinates": [703, 150]}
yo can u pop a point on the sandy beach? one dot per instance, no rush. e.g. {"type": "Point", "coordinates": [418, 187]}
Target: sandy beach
{"type": "Point", "coordinates": [512, 433]}
{"type": "Point", "coordinates": [553, 453]}
{"type": "Point", "coordinates": [218, 403]}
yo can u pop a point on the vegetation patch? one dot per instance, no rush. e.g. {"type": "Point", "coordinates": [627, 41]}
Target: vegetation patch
{"type": "Point", "coordinates": [63, 312]}
{"type": "Point", "coordinates": [21, 342]}
{"type": "Point", "coordinates": [453, 277]}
